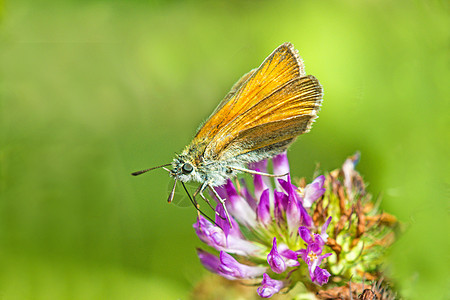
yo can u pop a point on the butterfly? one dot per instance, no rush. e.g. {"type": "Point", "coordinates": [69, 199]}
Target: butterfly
{"type": "Point", "coordinates": [260, 117]}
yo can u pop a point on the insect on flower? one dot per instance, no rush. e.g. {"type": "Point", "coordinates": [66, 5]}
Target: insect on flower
{"type": "Point", "coordinates": [260, 117]}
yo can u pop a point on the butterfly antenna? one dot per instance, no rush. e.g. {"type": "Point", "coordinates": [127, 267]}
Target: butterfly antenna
{"type": "Point", "coordinates": [146, 170]}
{"type": "Point", "coordinates": [196, 207]}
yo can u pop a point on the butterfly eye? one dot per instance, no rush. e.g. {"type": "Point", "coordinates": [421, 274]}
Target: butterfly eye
{"type": "Point", "coordinates": [187, 168]}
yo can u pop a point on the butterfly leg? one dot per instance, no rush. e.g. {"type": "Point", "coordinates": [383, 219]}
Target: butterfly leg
{"type": "Point", "coordinates": [197, 207]}
{"type": "Point", "coordinates": [256, 172]}
{"type": "Point", "coordinates": [222, 201]}
{"type": "Point", "coordinates": [199, 191]}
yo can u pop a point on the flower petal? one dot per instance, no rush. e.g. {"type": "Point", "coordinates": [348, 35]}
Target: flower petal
{"type": "Point", "coordinates": [260, 185]}
{"type": "Point", "coordinates": [323, 232]}
{"type": "Point", "coordinates": [316, 248]}
{"type": "Point", "coordinates": [222, 220]}
{"type": "Point", "coordinates": [291, 257]}
{"type": "Point", "coordinates": [261, 166]}
{"type": "Point", "coordinates": [320, 276]}
{"type": "Point", "coordinates": [221, 191]}
{"type": "Point", "coordinates": [305, 234]}
{"type": "Point", "coordinates": [263, 210]}
{"type": "Point", "coordinates": [295, 213]}
{"type": "Point", "coordinates": [313, 191]}
{"type": "Point", "coordinates": [230, 267]}
{"type": "Point", "coordinates": [246, 194]}
{"type": "Point", "coordinates": [240, 246]}
{"type": "Point", "coordinates": [280, 205]}
{"type": "Point", "coordinates": [305, 217]}
{"type": "Point", "coordinates": [209, 261]}
{"type": "Point", "coordinates": [209, 233]}
{"type": "Point", "coordinates": [293, 216]}
{"type": "Point", "coordinates": [238, 207]}
{"type": "Point", "coordinates": [214, 236]}
{"type": "Point", "coordinates": [276, 262]}
{"type": "Point", "coordinates": [269, 286]}
{"type": "Point", "coordinates": [281, 164]}
{"type": "Point", "coordinates": [285, 184]}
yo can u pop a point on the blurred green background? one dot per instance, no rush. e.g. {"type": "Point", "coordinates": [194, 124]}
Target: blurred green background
{"type": "Point", "coordinates": [93, 90]}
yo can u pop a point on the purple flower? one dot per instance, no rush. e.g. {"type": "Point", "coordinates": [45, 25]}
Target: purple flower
{"type": "Point", "coordinates": [246, 194]}
{"type": "Point", "coordinates": [276, 262]}
{"type": "Point", "coordinates": [323, 232]}
{"type": "Point", "coordinates": [238, 207]}
{"type": "Point", "coordinates": [290, 257]}
{"type": "Point", "coordinates": [223, 222]}
{"type": "Point", "coordinates": [261, 183]}
{"type": "Point", "coordinates": [280, 205]}
{"type": "Point", "coordinates": [210, 234]}
{"type": "Point", "coordinates": [260, 166]}
{"type": "Point", "coordinates": [320, 276]}
{"type": "Point", "coordinates": [310, 238]}
{"type": "Point", "coordinates": [312, 255]}
{"type": "Point", "coordinates": [208, 260]}
{"type": "Point", "coordinates": [313, 191]}
{"type": "Point", "coordinates": [297, 214]}
{"type": "Point", "coordinates": [228, 267]}
{"type": "Point", "coordinates": [231, 268]}
{"type": "Point", "coordinates": [215, 237]}
{"type": "Point", "coordinates": [281, 165]}
{"type": "Point", "coordinates": [263, 210]}
{"type": "Point", "coordinates": [269, 286]}
{"type": "Point", "coordinates": [313, 258]}
{"type": "Point", "coordinates": [269, 227]}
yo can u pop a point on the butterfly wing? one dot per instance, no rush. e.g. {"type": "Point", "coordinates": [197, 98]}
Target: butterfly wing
{"type": "Point", "coordinates": [233, 91]}
{"type": "Point", "coordinates": [265, 110]}
{"type": "Point", "coordinates": [283, 65]}
{"type": "Point", "coordinates": [271, 124]}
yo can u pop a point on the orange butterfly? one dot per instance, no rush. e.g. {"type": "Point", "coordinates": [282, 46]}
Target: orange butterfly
{"type": "Point", "coordinates": [260, 117]}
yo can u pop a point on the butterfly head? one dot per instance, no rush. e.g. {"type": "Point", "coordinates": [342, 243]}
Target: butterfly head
{"type": "Point", "coordinates": [184, 170]}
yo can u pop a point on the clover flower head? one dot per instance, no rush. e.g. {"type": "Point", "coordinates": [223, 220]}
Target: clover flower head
{"type": "Point", "coordinates": [283, 232]}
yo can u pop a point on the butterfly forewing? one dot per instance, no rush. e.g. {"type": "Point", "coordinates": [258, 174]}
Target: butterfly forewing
{"type": "Point", "coordinates": [283, 115]}
{"type": "Point", "coordinates": [233, 90]}
{"type": "Point", "coordinates": [282, 66]}
{"type": "Point", "coordinates": [297, 97]}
